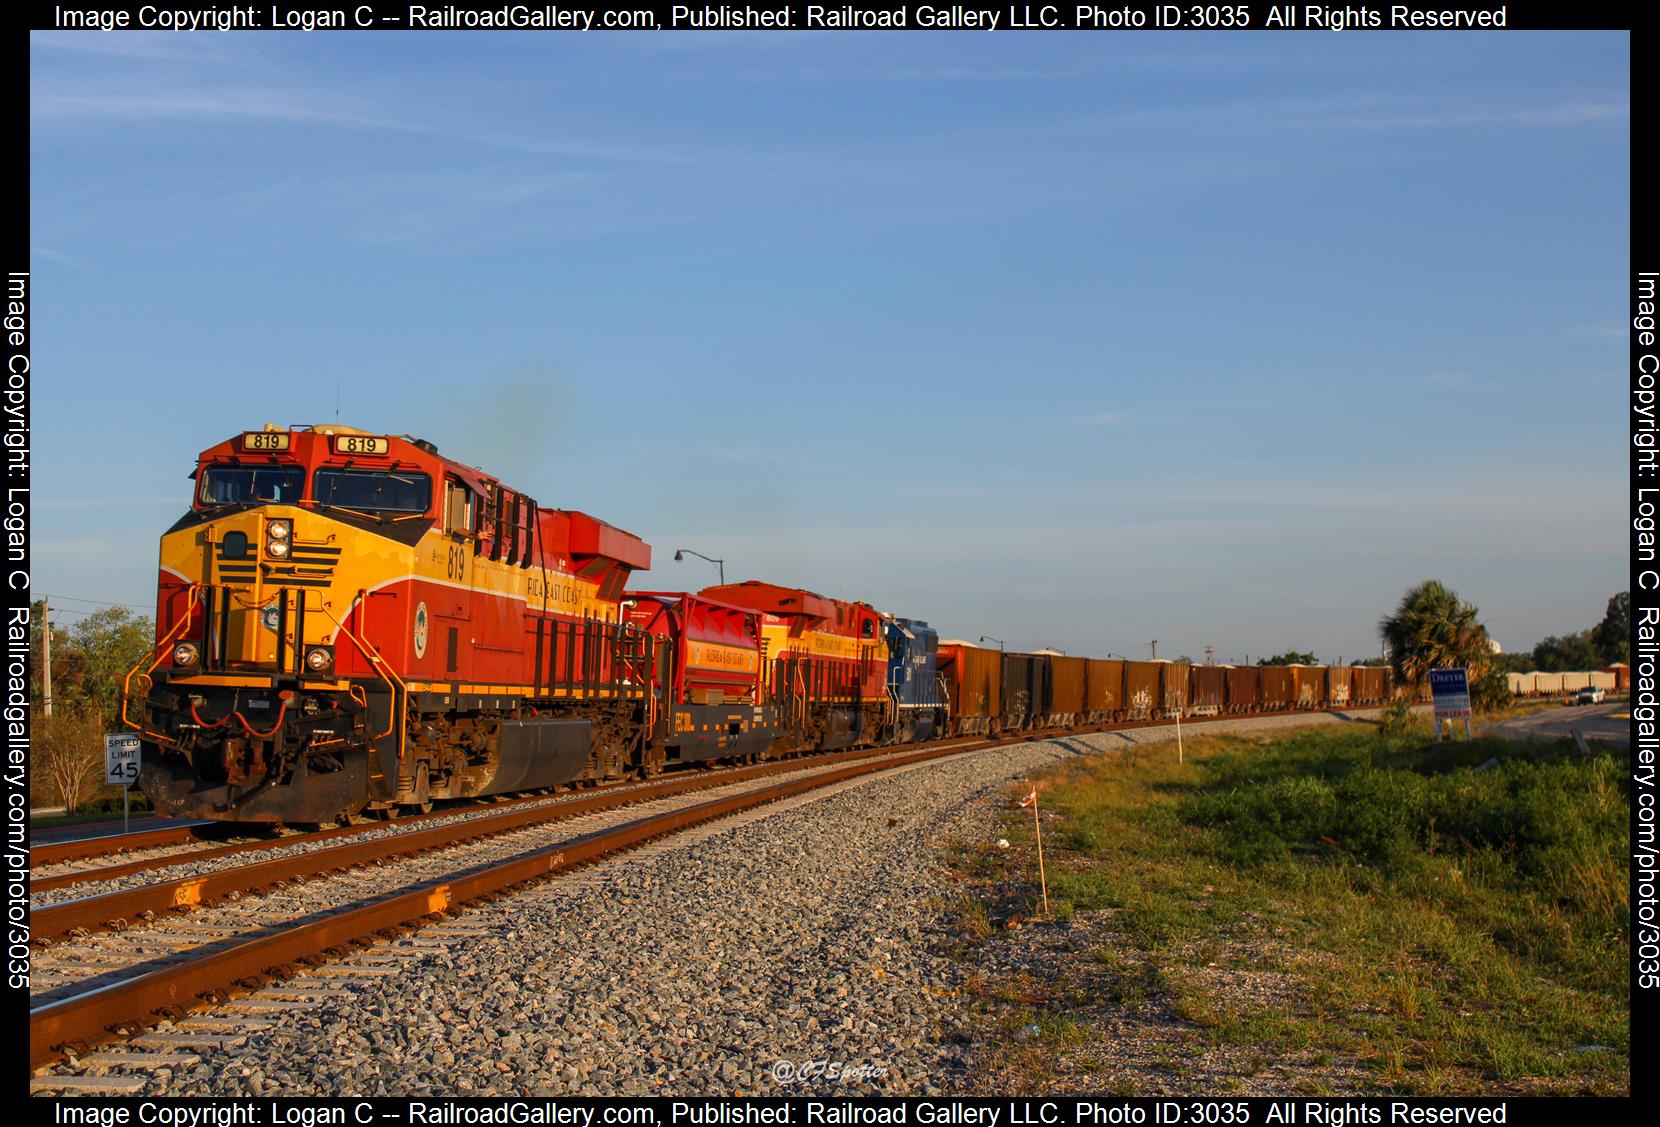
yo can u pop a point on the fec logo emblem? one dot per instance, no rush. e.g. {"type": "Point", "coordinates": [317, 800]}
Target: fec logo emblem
{"type": "Point", "coordinates": [420, 630]}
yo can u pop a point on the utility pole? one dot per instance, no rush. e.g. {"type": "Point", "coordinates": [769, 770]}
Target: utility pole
{"type": "Point", "coordinates": [1155, 649]}
{"type": "Point", "coordinates": [46, 655]}
{"type": "Point", "coordinates": [1210, 655]}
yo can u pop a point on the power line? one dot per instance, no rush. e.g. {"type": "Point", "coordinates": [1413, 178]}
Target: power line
{"type": "Point", "coordinates": [94, 602]}
{"type": "Point", "coordinates": [59, 612]}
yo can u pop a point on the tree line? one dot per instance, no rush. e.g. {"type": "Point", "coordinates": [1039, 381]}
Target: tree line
{"type": "Point", "coordinates": [1607, 642]}
{"type": "Point", "coordinates": [1433, 628]}
{"type": "Point", "coordinates": [90, 660]}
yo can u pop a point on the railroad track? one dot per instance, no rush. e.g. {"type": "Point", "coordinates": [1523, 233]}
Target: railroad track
{"type": "Point", "coordinates": [99, 987]}
{"type": "Point", "coordinates": [154, 847]}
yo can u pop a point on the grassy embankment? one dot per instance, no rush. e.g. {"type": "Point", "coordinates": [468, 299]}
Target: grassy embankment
{"type": "Point", "coordinates": [1426, 924]}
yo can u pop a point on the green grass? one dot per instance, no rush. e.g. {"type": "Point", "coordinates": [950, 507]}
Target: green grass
{"type": "Point", "coordinates": [99, 810]}
{"type": "Point", "coordinates": [1447, 925]}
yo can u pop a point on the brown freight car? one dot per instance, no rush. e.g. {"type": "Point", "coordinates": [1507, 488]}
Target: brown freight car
{"type": "Point", "coordinates": [1172, 687]}
{"type": "Point", "coordinates": [1371, 685]}
{"type": "Point", "coordinates": [1025, 690]}
{"type": "Point", "coordinates": [1311, 685]}
{"type": "Point", "coordinates": [1141, 690]}
{"type": "Point", "coordinates": [1066, 690]}
{"type": "Point", "coordinates": [1279, 688]}
{"type": "Point", "coordinates": [1103, 690]}
{"type": "Point", "coordinates": [1244, 688]}
{"type": "Point", "coordinates": [974, 680]}
{"type": "Point", "coordinates": [1339, 686]}
{"type": "Point", "coordinates": [1207, 690]}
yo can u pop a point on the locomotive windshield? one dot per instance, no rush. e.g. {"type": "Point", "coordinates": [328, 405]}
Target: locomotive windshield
{"type": "Point", "coordinates": [251, 485]}
{"type": "Point", "coordinates": [373, 491]}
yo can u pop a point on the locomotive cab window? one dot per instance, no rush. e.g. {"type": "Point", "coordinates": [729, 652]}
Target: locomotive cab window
{"type": "Point", "coordinates": [251, 485]}
{"type": "Point", "coordinates": [459, 509]}
{"type": "Point", "coordinates": [373, 491]}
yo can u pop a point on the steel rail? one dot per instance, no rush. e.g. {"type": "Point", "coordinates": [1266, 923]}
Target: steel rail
{"type": "Point", "coordinates": [149, 839]}
{"type": "Point", "coordinates": [119, 909]}
{"type": "Point", "coordinates": [105, 1013]}
{"type": "Point", "coordinates": [71, 1024]}
{"type": "Point", "coordinates": [54, 852]}
{"type": "Point", "coordinates": [82, 848]}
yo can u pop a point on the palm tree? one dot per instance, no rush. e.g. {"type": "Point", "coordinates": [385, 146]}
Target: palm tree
{"type": "Point", "coordinates": [1433, 629]}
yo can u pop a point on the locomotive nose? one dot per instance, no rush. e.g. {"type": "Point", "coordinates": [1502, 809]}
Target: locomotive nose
{"type": "Point", "coordinates": [269, 572]}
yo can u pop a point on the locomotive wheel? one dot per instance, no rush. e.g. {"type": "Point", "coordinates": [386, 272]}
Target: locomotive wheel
{"type": "Point", "coordinates": [423, 793]}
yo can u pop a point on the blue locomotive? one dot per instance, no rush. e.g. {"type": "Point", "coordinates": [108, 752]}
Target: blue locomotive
{"type": "Point", "coordinates": [915, 687]}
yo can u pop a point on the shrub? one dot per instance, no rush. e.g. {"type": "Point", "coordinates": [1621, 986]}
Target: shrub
{"type": "Point", "coordinates": [1398, 719]}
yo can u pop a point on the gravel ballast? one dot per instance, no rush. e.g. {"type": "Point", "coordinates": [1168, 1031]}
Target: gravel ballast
{"type": "Point", "coordinates": [809, 932]}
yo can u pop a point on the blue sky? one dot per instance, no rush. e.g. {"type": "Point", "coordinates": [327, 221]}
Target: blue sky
{"type": "Point", "coordinates": [1075, 340]}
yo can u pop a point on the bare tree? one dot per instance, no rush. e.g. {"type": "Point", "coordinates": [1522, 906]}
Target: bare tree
{"type": "Point", "coordinates": [67, 751]}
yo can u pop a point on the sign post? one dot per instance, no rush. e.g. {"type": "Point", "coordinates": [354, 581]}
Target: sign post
{"type": "Point", "coordinates": [1450, 689]}
{"type": "Point", "coordinates": [122, 755]}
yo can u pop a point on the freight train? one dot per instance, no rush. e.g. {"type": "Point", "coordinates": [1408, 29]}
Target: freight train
{"type": "Point", "coordinates": [350, 624]}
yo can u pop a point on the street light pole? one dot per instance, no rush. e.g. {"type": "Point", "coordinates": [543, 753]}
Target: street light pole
{"type": "Point", "coordinates": [682, 553]}
{"type": "Point", "coordinates": [989, 638]}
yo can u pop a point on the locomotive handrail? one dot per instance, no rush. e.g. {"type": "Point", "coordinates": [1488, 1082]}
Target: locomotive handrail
{"type": "Point", "coordinates": [194, 591]}
{"type": "Point", "coordinates": [382, 670]}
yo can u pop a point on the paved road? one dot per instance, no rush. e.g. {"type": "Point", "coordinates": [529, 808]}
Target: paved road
{"type": "Point", "coordinates": [1595, 721]}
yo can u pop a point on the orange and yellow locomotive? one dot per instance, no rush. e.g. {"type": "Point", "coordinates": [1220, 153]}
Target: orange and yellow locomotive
{"type": "Point", "coordinates": [351, 622]}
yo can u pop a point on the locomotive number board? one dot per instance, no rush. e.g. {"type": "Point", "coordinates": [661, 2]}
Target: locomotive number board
{"type": "Point", "coordinates": [360, 444]}
{"type": "Point", "coordinates": [265, 440]}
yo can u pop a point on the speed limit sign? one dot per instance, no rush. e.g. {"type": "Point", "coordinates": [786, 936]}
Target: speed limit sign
{"type": "Point", "coordinates": [121, 759]}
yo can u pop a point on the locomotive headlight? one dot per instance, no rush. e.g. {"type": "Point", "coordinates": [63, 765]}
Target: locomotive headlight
{"type": "Point", "coordinates": [318, 659]}
{"type": "Point", "coordinates": [278, 533]}
{"type": "Point", "coordinates": [185, 653]}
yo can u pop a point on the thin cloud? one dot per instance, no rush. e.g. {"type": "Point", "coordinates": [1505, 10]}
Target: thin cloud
{"type": "Point", "coordinates": [1538, 117]}
{"type": "Point", "coordinates": [57, 256]}
{"type": "Point", "coordinates": [275, 104]}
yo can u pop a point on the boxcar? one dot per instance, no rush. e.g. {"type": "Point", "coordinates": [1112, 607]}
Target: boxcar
{"type": "Point", "coordinates": [1603, 680]}
{"type": "Point", "coordinates": [1339, 686]}
{"type": "Point", "coordinates": [1207, 689]}
{"type": "Point", "coordinates": [1573, 682]}
{"type": "Point", "coordinates": [1244, 688]}
{"type": "Point", "coordinates": [1141, 689]}
{"type": "Point", "coordinates": [1066, 690]}
{"type": "Point", "coordinates": [974, 680]}
{"type": "Point", "coordinates": [1279, 688]}
{"type": "Point", "coordinates": [1025, 690]}
{"type": "Point", "coordinates": [1521, 684]}
{"type": "Point", "coordinates": [1547, 683]}
{"type": "Point", "coordinates": [1103, 690]}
